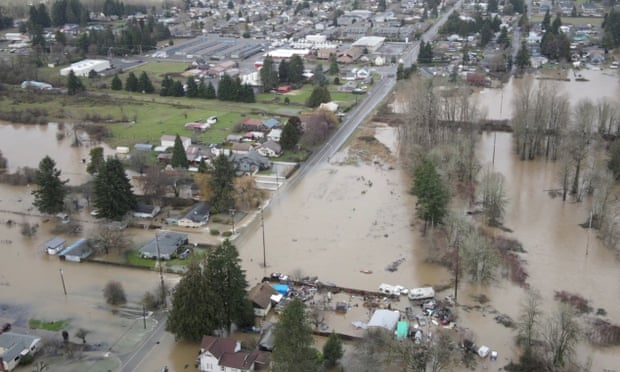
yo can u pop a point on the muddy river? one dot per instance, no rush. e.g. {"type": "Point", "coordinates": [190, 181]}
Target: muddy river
{"type": "Point", "coordinates": [341, 219]}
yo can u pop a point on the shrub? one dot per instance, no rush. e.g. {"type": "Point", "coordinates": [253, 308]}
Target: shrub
{"type": "Point", "coordinates": [226, 234]}
{"type": "Point", "coordinates": [114, 293]}
{"type": "Point", "coordinates": [214, 232]}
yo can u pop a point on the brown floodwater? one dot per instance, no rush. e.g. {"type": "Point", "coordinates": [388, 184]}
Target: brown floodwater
{"type": "Point", "coordinates": [341, 219]}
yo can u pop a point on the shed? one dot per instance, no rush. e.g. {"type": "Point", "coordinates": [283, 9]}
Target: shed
{"type": "Point", "coordinates": [385, 319]}
{"type": "Point", "coordinates": [76, 252]}
{"type": "Point", "coordinates": [54, 245]}
{"type": "Point", "coordinates": [144, 210]}
{"type": "Point", "coordinates": [402, 330]}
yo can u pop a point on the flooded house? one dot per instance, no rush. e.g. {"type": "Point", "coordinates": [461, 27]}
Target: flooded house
{"type": "Point", "coordinates": [196, 217]}
{"type": "Point", "coordinates": [165, 245]}
{"type": "Point", "coordinates": [261, 297]}
{"type": "Point", "coordinates": [77, 252]}
{"type": "Point", "coordinates": [14, 347]}
{"type": "Point", "coordinates": [144, 210]}
{"type": "Point", "coordinates": [224, 354]}
{"type": "Point", "coordinates": [54, 245]}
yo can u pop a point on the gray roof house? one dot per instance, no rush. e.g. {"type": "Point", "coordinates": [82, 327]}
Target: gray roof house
{"type": "Point", "coordinates": [144, 210]}
{"type": "Point", "coordinates": [249, 163]}
{"type": "Point", "coordinates": [196, 217]}
{"type": "Point", "coordinates": [166, 242]}
{"type": "Point", "coordinates": [54, 245]}
{"type": "Point", "coordinates": [270, 149]}
{"type": "Point", "coordinates": [15, 346]}
{"type": "Point", "coordinates": [77, 252]}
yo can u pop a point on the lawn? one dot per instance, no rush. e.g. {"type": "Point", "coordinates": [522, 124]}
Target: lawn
{"type": "Point", "coordinates": [594, 21]}
{"type": "Point", "coordinates": [48, 325]}
{"type": "Point", "coordinates": [134, 258]}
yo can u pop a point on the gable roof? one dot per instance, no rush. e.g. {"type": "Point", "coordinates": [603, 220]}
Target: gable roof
{"type": "Point", "coordinates": [261, 294]}
{"type": "Point", "coordinates": [251, 122]}
{"type": "Point", "coordinates": [198, 213]}
{"type": "Point", "coordinates": [217, 346]}
{"type": "Point", "coordinates": [243, 359]}
{"type": "Point", "coordinates": [270, 123]}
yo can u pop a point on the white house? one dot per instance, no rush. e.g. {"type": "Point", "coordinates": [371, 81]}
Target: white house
{"type": "Point", "coordinates": [15, 346]}
{"type": "Point", "coordinates": [274, 135]}
{"type": "Point", "coordinates": [224, 354]}
{"type": "Point", "coordinates": [167, 141]}
{"type": "Point", "coordinates": [269, 149]}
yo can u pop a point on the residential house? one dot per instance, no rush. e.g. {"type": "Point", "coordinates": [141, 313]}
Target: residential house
{"type": "Point", "coordinates": [260, 295]}
{"type": "Point", "coordinates": [241, 148]}
{"type": "Point", "coordinates": [77, 252]}
{"type": "Point", "coordinates": [14, 347]}
{"type": "Point", "coordinates": [196, 217]}
{"type": "Point", "coordinates": [144, 210]}
{"type": "Point", "coordinates": [325, 53]}
{"type": "Point", "coordinates": [249, 163]}
{"type": "Point", "coordinates": [54, 245]}
{"type": "Point", "coordinates": [224, 354]}
{"type": "Point", "coordinates": [165, 245]}
{"type": "Point", "coordinates": [350, 55]}
{"type": "Point", "coordinates": [274, 135]}
{"type": "Point", "coordinates": [252, 124]}
{"type": "Point", "coordinates": [271, 123]}
{"type": "Point", "coordinates": [269, 149]}
{"type": "Point", "coordinates": [167, 141]}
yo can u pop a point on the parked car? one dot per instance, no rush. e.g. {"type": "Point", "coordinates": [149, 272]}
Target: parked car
{"type": "Point", "coordinates": [185, 254]}
{"type": "Point", "coordinates": [6, 327]}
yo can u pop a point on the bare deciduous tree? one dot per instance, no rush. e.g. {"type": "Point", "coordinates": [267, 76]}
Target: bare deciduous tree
{"type": "Point", "coordinates": [480, 262]}
{"type": "Point", "coordinates": [247, 196]}
{"type": "Point", "coordinates": [529, 319]}
{"type": "Point", "coordinates": [561, 333]}
{"type": "Point", "coordinates": [440, 353]}
{"type": "Point", "coordinates": [493, 197]}
{"type": "Point", "coordinates": [109, 238]}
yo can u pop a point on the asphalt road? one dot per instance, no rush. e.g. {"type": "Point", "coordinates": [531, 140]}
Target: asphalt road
{"type": "Point", "coordinates": [131, 362]}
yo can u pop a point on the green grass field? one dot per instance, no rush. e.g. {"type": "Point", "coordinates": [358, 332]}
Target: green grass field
{"type": "Point", "coordinates": [48, 325]}
{"type": "Point", "coordinates": [595, 22]}
{"type": "Point", "coordinates": [143, 118]}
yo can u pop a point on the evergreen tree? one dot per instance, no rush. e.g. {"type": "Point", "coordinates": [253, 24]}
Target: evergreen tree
{"type": "Point", "coordinates": [492, 6]}
{"type": "Point", "coordinates": [166, 86]}
{"type": "Point", "coordinates": [268, 75]}
{"type": "Point", "coordinates": [49, 197]}
{"type": "Point", "coordinates": [319, 95]}
{"type": "Point", "coordinates": [117, 84]}
{"type": "Point", "coordinates": [333, 65]}
{"type": "Point", "coordinates": [74, 84]}
{"type": "Point", "coordinates": [144, 84]}
{"type": "Point", "coordinates": [283, 72]}
{"type": "Point", "coordinates": [332, 350]}
{"type": "Point", "coordinates": [319, 76]}
{"type": "Point", "coordinates": [522, 60]}
{"type": "Point", "coordinates": [546, 22]}
{"type": "Point", "coordinates": [192, 88]}
{"type": "Point", "coordinates": [432, 192]}
{"type": "Point", "coordinates": [224, 88]}
{"type": "Point", "coordinates": [131, 83]}
{"type": "Point", "coordinates": [221, 184]}
{"type": "Point", "coordinates": [210, 296]}
{"type": "Point", "coordinates": [291, 133]}
{"type": "Point", "coordinates": [192, 315]}
{"type": "Point", "coordinates": [202, 89]}
{"type": "Point", "coordinates": [503, 38]}
{"type": "Point", "coordinates": [177, 89]}
{"type": "Point", "coordinates": [227, 281]}
{"type": "Point", "coordinates": [296, 70]}
{"type": "Point", "coordinates": [113, 194]}
{"type": "Point", "coordinates": [246, 94]}
{"type": "Point", "coordinates": [179, 156]}
{"type": "Point", "coordinates": [293, 341]}
{"type": "Point", "coordinates": [211, 93]}
{"type": "Point", "coordinates": [96, 160]}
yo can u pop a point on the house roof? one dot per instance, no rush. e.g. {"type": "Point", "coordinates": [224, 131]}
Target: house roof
{"type": "Point", "coordinates": [241, 146]}
{"type": "Point", "coordinates": [168, 242]}
{"type": "Point", "coordinates": [54, 242]}
{"type": "Point", "coordinates": [80, 248]}
{"type": "Point", "coordinates": [273, 146]}
{"type": "Point", "coordinates": [244, 162]}
{"type": "Point", "coordinates": [198, 213]}
{"type": "Point", "coordinates": [243, 359]}
{"type": "Point", "coordinates": [171, 138]}
{"type": "Point", "coordinates": [270, 123]}
{"type": "Point", "coordinates": [251, 122]}
{"type": "Point", "coordinates": [261, 294]}
{"type": "Point", "coordinates": [385, 319]}
{"type": "Point", "coordinates": [144, 208]}
{"type": "Point", "coordinates": [217, 346]}
{"type": "Point", "coordinates": [12, 344]}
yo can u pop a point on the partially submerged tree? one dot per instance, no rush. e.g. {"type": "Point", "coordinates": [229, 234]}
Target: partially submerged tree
{"type": "Point", "coordinates": [293, 341]}
{"type": "Point", "coordinates": [49, 197]}
{"type": "Point", "coordinates": [433, 195]}
{"type": "Point", "coordinates": [479, 261]}
{"type": "Point", "coordinates": [493, 197]}
{"type": "Point", "coordinates": [114, 293]}
{"type": "Point", "coordinates": [332, 350]}
{"type": "Point", "coordinates": [96, 160]}
{"type": "Point", "coordinates": [113, 194]}
{"type": "Point", "coordinates": [109, 239]}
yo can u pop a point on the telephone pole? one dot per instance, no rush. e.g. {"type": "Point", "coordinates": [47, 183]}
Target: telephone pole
{"type": "Point", "coordinates": [161, 272]}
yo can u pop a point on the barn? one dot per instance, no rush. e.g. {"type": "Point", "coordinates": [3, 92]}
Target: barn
{"type": "Point", "coordinates": [84, 67]}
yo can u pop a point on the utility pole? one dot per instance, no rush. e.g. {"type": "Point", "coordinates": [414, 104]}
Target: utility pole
{"type": "Point", "coordinates": [262, 224]}
{"type": "Point", "coordinates": [62, 279]}
{"type": "Point", "coordinates": [588, 236]}
{"type": "Point", "coordinates": [232, 217]}
{"type": "Point", "coordinates": [456, 275]}
{"type": "Point", "coordinates": [161, 272]}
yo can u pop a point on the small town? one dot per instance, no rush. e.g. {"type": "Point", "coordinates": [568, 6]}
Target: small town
{"type": "Point", "coordinates": [359, 185]}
